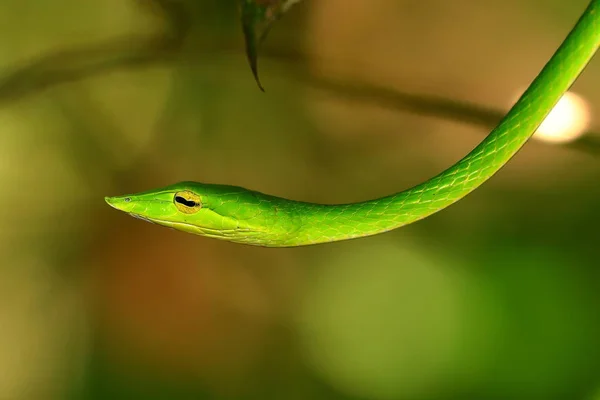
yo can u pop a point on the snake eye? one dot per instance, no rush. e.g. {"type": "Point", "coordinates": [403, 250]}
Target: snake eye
{"type": "Point", "coordinates": [187, 202]}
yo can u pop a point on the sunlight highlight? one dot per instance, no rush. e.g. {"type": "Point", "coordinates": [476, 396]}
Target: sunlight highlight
{"type": "Point", "coordinates": [567, 121]}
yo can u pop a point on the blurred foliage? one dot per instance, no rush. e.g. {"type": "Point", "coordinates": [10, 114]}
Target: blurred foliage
{"type": "Point", "coordinates": [496, 297]}
{"type": "Point", "coordinates": [257, 17]}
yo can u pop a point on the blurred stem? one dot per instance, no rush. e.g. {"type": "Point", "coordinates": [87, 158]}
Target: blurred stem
{"type": "Point", "coordinates": [70, 65]}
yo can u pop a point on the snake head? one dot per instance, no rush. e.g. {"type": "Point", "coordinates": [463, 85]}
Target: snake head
{"type": "Point", "coordinates": [217, 211]}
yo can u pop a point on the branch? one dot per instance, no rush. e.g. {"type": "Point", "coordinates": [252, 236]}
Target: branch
{"type": "Point", "coordinates": [71, 65]}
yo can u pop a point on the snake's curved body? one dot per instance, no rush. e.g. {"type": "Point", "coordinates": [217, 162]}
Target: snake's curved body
{"type": "Point", "coordinates": [244, 216]}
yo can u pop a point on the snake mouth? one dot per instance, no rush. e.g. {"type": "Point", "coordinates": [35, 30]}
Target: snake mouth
{"type": "Point", "coordinates": [178, 226]}
{"type": "Point", "coordinates": [111, 201]}
{"type": "Point", "coordinates": [121, 203]}
{"type": "Point", "coordinates": [143, 218]}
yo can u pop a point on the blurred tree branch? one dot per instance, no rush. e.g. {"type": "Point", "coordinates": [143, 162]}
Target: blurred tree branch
{"type": "Point", "coordinates": [70, 65]}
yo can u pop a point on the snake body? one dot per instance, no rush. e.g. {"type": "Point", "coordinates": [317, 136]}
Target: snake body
{"type": "Point", "coordinates": [245, 216]}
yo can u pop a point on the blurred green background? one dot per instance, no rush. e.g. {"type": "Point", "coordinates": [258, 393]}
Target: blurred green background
{"type": "Point", "coordinates": [494, 298]}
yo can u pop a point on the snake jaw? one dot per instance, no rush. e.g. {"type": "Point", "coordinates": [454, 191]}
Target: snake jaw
{"type": "Point", "coordinates": [124, 203]}
{"type": "Point", "coordinates": [143, 218]}
{"type": "Point", "coordinates": [119, 203]}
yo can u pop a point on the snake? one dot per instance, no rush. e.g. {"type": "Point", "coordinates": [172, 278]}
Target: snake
{"type": "Point", "coordinates": [240, 215]}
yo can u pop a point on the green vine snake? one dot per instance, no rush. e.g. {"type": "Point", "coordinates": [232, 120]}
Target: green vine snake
{"type": "Point", "coordinates": [245, 216]}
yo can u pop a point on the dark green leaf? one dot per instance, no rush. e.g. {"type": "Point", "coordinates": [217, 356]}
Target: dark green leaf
{"type": "Point", "coordinates": [258, 17]}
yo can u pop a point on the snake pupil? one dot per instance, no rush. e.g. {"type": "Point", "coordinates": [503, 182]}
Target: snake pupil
{"type": "Point", "coordinates": [185, 202]}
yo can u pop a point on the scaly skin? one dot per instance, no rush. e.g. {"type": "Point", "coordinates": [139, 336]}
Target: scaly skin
{"type": "Point", "coordinates": [244, 216]}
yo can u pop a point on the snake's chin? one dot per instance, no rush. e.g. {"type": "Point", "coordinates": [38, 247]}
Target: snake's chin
{"type": "Point", "coordinates": [143, 218]}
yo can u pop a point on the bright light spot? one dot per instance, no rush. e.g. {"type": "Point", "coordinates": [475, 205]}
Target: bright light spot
{"type": "Point", "coordinates": [567, 121]}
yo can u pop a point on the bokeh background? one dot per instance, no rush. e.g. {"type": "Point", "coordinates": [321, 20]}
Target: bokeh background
{"type": "Point", "coordinates": [494, 298]}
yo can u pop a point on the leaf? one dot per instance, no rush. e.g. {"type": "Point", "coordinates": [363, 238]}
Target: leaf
{"type": "Point", "coordinates": [258, 17]}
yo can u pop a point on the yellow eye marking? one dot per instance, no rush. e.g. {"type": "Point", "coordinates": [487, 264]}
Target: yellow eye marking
{"type": "Point", "coordinates": [187, 202]}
